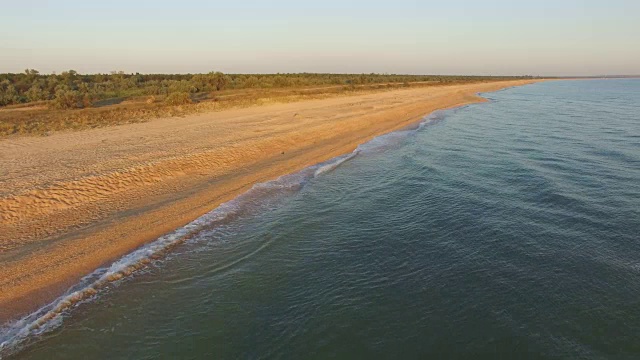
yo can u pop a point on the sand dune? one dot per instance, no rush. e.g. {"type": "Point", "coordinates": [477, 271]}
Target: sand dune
{"type": "Point", "coordinates": [71, 202]}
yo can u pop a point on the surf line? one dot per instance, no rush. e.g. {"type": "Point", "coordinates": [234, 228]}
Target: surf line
{"type": "Point", "coordinates": [13, 334]}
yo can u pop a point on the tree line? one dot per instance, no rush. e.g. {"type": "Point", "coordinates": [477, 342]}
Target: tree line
{"type": "Point", "coordinates": [71, 89]}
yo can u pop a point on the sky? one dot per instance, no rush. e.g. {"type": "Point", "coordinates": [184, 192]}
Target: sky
{"type": "Point", "coordinates": [490, 37]}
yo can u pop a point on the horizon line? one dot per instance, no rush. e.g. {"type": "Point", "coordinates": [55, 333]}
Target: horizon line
{"type": "Point", "coordinates": [114, 72]}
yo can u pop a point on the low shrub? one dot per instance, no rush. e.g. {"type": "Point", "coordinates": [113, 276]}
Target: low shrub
{"type": "Point", "coordinates": [178, 98]}
{"type": "Point", "coordinates": [70, 99]}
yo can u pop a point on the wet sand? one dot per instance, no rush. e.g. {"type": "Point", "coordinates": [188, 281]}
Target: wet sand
{"type": "Point", "coordinates": [72, 202]}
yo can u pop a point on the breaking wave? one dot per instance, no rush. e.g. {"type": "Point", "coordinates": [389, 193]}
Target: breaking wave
{"type": "Point", "coordinates": [15, 335]}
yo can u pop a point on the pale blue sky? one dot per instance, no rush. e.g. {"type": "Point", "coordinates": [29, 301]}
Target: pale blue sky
{"type": "Point", "coordinates": [560, 37]}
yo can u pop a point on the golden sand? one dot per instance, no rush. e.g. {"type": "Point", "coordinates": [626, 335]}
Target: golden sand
{"type": "Point", "coordinates": [72, 202]}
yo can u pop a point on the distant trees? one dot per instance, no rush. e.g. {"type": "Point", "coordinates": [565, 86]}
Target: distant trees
{"type": "Point", "coordinates": [281, 81]}
{"type": "Point", "coordinates": [8, 93]}
{"type": "Point", "coordinates": [70, 89]}
{"type": "Point", "coordinates": [213, 81]}
{"type": "Point", "coordinates": [72, 99]}
{"type": "Point", "coordinates": [31, 74]}
{"type": "Point", "coordinates": [250, 82]}
{"type": "Point", "coordinates": [67, 99]}
{"type": "Point", "coordinates": [37, 92]}
{"type": "Point", "coordinates": [219, 80]}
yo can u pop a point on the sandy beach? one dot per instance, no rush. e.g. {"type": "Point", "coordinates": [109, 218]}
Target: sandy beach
{"type": "Point", "coordinates": [74, 201]}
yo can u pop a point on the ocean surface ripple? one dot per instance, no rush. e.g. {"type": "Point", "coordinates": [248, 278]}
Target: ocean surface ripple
{"type": "Point", "coordinates": [503, 229]}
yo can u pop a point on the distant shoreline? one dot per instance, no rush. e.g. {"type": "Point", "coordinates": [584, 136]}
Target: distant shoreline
{"type": "Point", "coordinates": [38, 104]}
{"type": "Point", "coordinates": [97, 195]}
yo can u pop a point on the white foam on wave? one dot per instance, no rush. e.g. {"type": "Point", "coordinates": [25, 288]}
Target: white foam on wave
{"type": "Point", "coordinates": [14, 335]}
{"type": "Point", "coordinates": [321, 169]}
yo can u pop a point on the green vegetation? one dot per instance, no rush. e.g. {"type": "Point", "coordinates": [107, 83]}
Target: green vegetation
{"type": "Point", "coordinates": [178, 98]}
{"type": "Point", "coordinates": [37, 104]}
{"type": "Point", "coordinates": [73, 90]}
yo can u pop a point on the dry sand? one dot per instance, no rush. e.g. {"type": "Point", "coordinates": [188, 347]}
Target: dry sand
{"type": "Point", "coordinates": [72, 202]}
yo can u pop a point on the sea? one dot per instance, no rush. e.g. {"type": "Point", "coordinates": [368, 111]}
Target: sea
{"type": "Point", "coordinates": [501, 230]}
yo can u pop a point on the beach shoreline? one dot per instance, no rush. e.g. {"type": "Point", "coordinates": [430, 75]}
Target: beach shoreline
{"type": "Point", "coordinates": [75, 201]}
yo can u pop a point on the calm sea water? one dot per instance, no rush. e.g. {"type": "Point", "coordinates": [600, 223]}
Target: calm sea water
{"type": "Point", "coordinates": [508, 229]}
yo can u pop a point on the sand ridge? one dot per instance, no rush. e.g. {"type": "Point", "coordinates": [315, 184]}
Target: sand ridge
{"type": "Point", "coordinates": [72, 202]}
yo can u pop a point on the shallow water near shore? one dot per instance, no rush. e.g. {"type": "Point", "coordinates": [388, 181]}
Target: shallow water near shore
{"type": "Point", "coordinates": [509, 227]}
